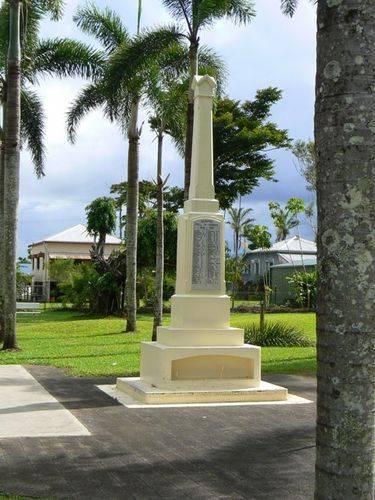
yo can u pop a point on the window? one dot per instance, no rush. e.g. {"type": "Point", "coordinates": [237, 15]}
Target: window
{"type": "Point", "coordinates": [38, 262]}
{"type": "Point", "coordinates": [257, 268]}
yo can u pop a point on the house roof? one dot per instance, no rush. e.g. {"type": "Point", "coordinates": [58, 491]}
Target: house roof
{"type": "Point", "coordinates": [297, 263]}
{"type": "Point", "coordinates": [77, 234]}
{"type": "Point", "coordinates": [296, 244]}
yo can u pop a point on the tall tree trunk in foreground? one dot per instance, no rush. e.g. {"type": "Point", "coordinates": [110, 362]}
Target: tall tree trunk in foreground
{"type": "Point", "coordinates": [11, 173]}
{"type": "Point", "coordinates": [2, 326]}
{"type": "Point", "coordinates": [193, 70]}
{"type": "Point", "coordinates": [159, 270]}
{"type": "Point", "coordinates": [2, 242]}
{"type": "Point", "coordinates": [132, 219]}
{"type": "Point", "coordinates": [345, 139]}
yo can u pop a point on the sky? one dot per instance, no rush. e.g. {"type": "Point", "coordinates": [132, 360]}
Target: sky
{"type": "Point", "coordinates": [271, 51]}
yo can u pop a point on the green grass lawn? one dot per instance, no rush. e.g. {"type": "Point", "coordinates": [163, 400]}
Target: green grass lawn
{"type": "Point", "coordinates": [88, 345]}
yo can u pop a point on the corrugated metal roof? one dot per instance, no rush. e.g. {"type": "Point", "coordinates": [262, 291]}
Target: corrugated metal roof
{"type": "Point", "coordinates": [297, 263]}
{"type": "Point", "coordinates": [77, 234]}
{"type": "Point", "coordinates": [295, 244]}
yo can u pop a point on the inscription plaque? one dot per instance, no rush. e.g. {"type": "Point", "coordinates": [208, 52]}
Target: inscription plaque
{"type": "Point", "coordinates": [206, 272]}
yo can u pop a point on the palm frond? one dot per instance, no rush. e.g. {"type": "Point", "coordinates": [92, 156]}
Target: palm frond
{"type": "Point", "coordinates": [93, 96]}
{"type": "Point", "coordinates": [54, 8]}
{"type": "Point", "coordinates": [105, 25]}
{"type": "Point", "coordinates": [66, 57]}
{"type": "Point", "coordinates": [127, 63]}
{"type": "Point", "coordinates": [90, 98]}
{"type": "Point", "coordinates": [240, 11]}
{"type": "Point", "coordinates": [289, 7]}
{"type": "Point", "coordinates": [32, 128]}
{"type": "Point", "coordinates": [181, 10]}
{"type": "Point", "coordinates": [210, 63]}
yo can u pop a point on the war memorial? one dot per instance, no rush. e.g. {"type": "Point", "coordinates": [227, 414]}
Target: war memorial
{"type": "Point", "coordinates": [200, 357]}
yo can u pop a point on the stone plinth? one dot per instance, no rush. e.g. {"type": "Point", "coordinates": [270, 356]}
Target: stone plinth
{"type": "Point", "coordinates": [199, 357]}
{"type": "Point", "coordinates": [148, 394]}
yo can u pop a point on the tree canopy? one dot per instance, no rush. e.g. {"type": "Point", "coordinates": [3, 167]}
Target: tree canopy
{"type": "Point", "coordinates": [287, 218]}
{"type": "Point", "coordinates": [101, 220]}
{"type": "Point", "coordinates": [305, 154]}
{"type": "Point", "coordinates": [243, 135]}
{"type": "Point", "coordinates": [173, 196]}
{"type": "Point", "coordinates": [147, 240]}
{"type": "Point", "coordinates": [258, 236]}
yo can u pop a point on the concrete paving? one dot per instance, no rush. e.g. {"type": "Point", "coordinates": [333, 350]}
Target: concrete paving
{"type": "Point", "coordinates": [28, 410]}
{"type": "Point", "coordinates": [252, 452]}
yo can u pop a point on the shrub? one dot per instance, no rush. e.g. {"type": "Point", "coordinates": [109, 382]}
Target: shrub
{"type": "Point", "coordinates": [304, 287]}
{"type": "Point", "coordinates": [146, 290]}
{"type": "Point", "coordinates": [275, 335]}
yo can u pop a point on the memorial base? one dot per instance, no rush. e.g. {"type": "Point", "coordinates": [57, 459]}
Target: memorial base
{"type": "Point", "coordinates": [145, 393]}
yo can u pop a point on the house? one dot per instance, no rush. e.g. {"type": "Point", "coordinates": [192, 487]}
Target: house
{"type": "Point", "coordinates": [73, 243]}
{"type": "Point", "coordinates": [290, 251]}
{"type": "Point", "coordinates": [282, 290]}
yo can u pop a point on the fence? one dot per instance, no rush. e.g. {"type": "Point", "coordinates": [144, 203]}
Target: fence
{"type": "Point", "coordinates": [32, 293]}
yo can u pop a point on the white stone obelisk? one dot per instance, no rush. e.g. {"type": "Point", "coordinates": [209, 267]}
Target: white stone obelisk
{"type": "Point", "coordinates": [199, 357]}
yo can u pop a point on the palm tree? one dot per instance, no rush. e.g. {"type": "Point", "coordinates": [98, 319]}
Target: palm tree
{"type": "Point", "coordinates": [12, 141]}
{"type": "Point", "coordinates": [239, 220]}
{"type": "Point", "coordinates": [166, 99]}
{"type": "Point", "coordinates": [61, 57]}
{"type": "Point", "coordinates": [138, 57]}
{"type": "Point", "coordinates": [287, 218]}
{"type": "Point", "coordinates": [198, 14]}
{"type": "Point", "coordinates": [101, 220]}
{"type": "Point", "coordinates": [346, 228]}
{"type": "Point", "coordinates": [260, 237]}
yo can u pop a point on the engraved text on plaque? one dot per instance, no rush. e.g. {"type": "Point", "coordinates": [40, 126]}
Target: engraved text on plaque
{"type": "Point", "coordinates": [206, 273]}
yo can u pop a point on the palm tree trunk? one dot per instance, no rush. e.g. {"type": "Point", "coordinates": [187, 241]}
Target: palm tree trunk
{"type": "Point", "coordinates": [193, 70]}
{"type": "Point", "coordinates": [234, 287]}
{"type": "Point", "coordinates": [345, 143]}
{"type": "Point", "coordinates": [132, 219]}
{"type": "Point", "coordinates": [11, 174]}
{"type": "Point", "coordinates": [101, 245]}
{"type": "Point", "coordinates": [159, 270]}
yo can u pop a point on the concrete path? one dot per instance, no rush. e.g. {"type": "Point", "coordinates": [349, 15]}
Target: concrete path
{"type": "Point", "coordinates": [236, 452]}
{"type": "Point", "coordinates": [28, 410]}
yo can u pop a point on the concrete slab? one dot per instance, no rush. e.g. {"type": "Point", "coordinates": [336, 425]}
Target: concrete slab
{"type": "Point", "coordinates": [235, 451]}
{"type": "Point", "coordinates": [129, 402]}
{"type": "Point", "coordinates": [28, 410]}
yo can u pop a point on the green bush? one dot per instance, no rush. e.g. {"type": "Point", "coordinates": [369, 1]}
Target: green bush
{"type": "Point", "coordinates": [304, 287]}
{"type": "Point", "coordinates": [146, 290]}
{"type": "Point", "coordinates": [275, 335]}
{"type": "Point", "coordinates": [86, 289]}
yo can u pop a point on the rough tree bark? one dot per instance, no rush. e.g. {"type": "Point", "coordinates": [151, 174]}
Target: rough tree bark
{"type": "Point", "coordinates": [2, 219]}
{"type": "Point", "coordinates": [159, 269]}
{"type": "Point", "coordinates": [11, 173]}
{"type": "Point", "coordinates": [193, 70]}
{"type": "Point", "coordinates": [345, 140]}
{"type": "Point", "coordinates": [132, 219]}
{"type": "Point", "coordinates": [2, 244]}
